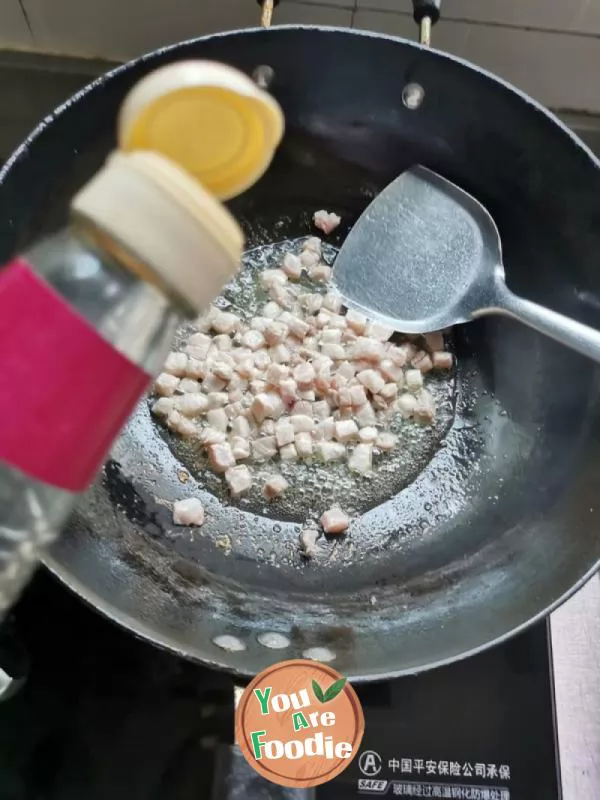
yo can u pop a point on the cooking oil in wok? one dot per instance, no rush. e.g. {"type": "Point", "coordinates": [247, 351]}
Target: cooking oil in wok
{"type": "Point", "coordinates": [314, 486]}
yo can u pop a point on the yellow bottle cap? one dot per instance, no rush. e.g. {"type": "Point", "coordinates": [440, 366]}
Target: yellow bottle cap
{"type": "Point", "coordinates": [211, 119]}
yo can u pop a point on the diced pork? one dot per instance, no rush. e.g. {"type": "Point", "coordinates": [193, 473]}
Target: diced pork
{"type": "Point", "coordinates": [272, 310]}
{"type": "Point", "coordinates": [304, 444]}
{"type": "Point", "coordinates": [358, 396]}
{"type": "Point", "coordinates": [179, 424]}
{"type": "Point", "coordinates": [221, 456]}
{"type": "Point", "coordinates": [191, 405]}
{"type": "Point", "coordinates": [320, 273]}
{"type": "Point", "coordinates": [277, 373]}
{"type": "Point", "coordinates": [361, 459]}
{"type": "Point", "coordinates": [288, 453]}
{"type": "Point", "coordinates": [321, 409]}
{"type": "Point", "coordinates": [356, 321]}
{"type": "Point", "coordinates": [302, 407]}
{"type": "Point", "coordinates": [188, 385]}
{"type": "Point", "coordinates": [304, 375]}
{"type": "Point", "coordinates": [336, 352]}
{"type": "Point", "coordinates": [188, 512]}
{"type": "Point", "coordinates": [422, 361]}
{"type": "Point", "coordinates": [371, 380]}
{"type": "Point", "coordinates": [275, 486]}
{"type": "Point", "coordinates": [262, 360]}
{"type": "Point", "coordinates": [334, 521]}
{"type": "Point", "coordinates": [264, 448]}
{"type": "Point", "coordinates": [289, 391]}
{"type": "Point", "coordinates": [267, 405]}
{"type": "Point", "coordinates": [166, 384]}
{"type": "Point", "coordinates": [389, 392]}
{"type": "Point", "coordinates": [425, 409]}
{"type": "Point", "coordinates": [217, 399]}
{"type": "Point", "coordinates": [326, 221]}
{"type": "Point", "coordinates": [367, 349]}
{"type": "Point", "coordinates": [284, 433]}
{"type": "Point", "coordinates": [308, 542]}
{"type": "Point", "coordinates": [240, 447]}
{"type": "Point", "coordinates": [200, 340]}
{"type": "Point", "coordinates": [272, 277]}
{"type": "Point", "coordinates": [391, 371]}
{"type": "Point", "coordinates": [368, 434]}
{"type": "Point", "coordinates": [163, 407]}
{"type": "Point", "coordinates": [196, 368]}
{"type": "Point", "coordinates": [268, 427]}
{"type": "Point", "coordinates": [303, 378]}
{"type": "Point", "coordinates": [386, 441]}
{"type": "Point", "coordinates": [211, 436]}
{"type": "Point", "coordinates": [365, 415]}
{"type": "Point", "coordinates": [238, 479]}
{"type": "Point", "coordinates": [298, 328]}
{"type": "Point", "coordinates": [330, 451]}
{"type": "Point", "coordinates": [241, 427]}
{"type": "Point", "coordinates": [380, 332]}
{"type": "Point", "coordinates": [346, 430]}
{"type": "Point", "coordinates": [308, 259]}
{"type": "Point", "coordinates": [225, 322]}
{"type": "Point", "coordinates": [253, 340]}
{"type": "Point", "coordinates": [406, 405]}
{"type": "Point", "coordinates": [292, 266]}
{"type": "Point", "coordinates": [176, 364]}
{"type": "Point", "coordinates": [312, 243]}
{"type": "Point", "coordinates": [414, 380]}
{"type": "Point", "coordinates": [280, 354]}
{"type": "Point", "coordinates": [311, 303]}
{"type": "Point", "coordinates": [442, 360]}
{"type": "Point", "coordinates": [217, 418]}
{"type": "Point", "coordinates": [212, 383]}
{"type": "Point", "coordinates": [302, 423]}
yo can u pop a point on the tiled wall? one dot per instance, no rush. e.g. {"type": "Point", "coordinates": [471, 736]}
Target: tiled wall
{"type": "Point", "coordinates": [550, 48]}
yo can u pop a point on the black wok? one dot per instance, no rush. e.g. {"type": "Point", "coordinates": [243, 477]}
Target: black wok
{"type": "Point", "coordinates": [495, 521]}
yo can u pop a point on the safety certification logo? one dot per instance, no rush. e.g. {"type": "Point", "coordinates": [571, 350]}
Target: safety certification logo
{"type": "Point", "coordinates": [299, 723]}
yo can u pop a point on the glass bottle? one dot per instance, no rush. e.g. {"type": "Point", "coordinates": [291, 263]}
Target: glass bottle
{"type": "Point", "coordinates": [88, 316]}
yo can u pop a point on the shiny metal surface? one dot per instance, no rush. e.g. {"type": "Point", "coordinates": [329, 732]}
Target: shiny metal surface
{"type": "Point", "coordinates": [434, 258]}
{"type": "Point", "coordinates": [430, 261]}
{"type": "Point", "coordinates": [575, 629]}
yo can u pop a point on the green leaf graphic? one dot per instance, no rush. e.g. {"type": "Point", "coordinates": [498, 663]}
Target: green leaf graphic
{"type": "Point", "coordinates": [334, 690]}
{"type": "Point", "coordinates": [318, 692]}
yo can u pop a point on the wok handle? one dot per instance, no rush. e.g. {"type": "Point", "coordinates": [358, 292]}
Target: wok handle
{"type": "Point", "coordinates": [426, 14]}
{"type": "Point", "coordinates": [426, 8]}
{"type": "Point", "coordinates": [267, 8]}
{"type": "Point", "coordinates": [573, 334]}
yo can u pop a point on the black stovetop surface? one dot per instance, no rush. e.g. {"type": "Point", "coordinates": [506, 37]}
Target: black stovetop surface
{"type": "Point", "coordinates": [104, 716]}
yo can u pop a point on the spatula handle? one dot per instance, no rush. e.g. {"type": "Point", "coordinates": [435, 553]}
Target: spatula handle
{"type": "Point", "coordinates": [579, 337]}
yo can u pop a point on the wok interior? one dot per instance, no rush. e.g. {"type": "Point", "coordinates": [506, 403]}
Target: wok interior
{"type": "Point", "coordinates": [500, 523]}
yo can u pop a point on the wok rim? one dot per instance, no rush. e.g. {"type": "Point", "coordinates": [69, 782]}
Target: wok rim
{"type": "Point", "coordinates": [101, 79]}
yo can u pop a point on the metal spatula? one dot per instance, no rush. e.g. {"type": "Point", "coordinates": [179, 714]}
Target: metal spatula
{"type": "Point", "coordinates": [426, 255]}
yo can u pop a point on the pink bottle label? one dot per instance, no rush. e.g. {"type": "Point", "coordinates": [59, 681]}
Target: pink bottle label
{"type": "Point", "coordinates": [65, 392]}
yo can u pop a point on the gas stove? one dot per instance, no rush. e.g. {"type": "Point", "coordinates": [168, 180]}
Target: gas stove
{"type": "Point", "coordinates": [105, 716]}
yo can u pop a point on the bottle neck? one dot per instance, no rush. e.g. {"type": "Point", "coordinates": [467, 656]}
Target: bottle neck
{"type": "Point", "coordinates": [134, 316]}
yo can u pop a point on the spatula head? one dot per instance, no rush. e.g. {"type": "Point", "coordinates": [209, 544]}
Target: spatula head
{"type": "Point", "coordinates": [421, 257]}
